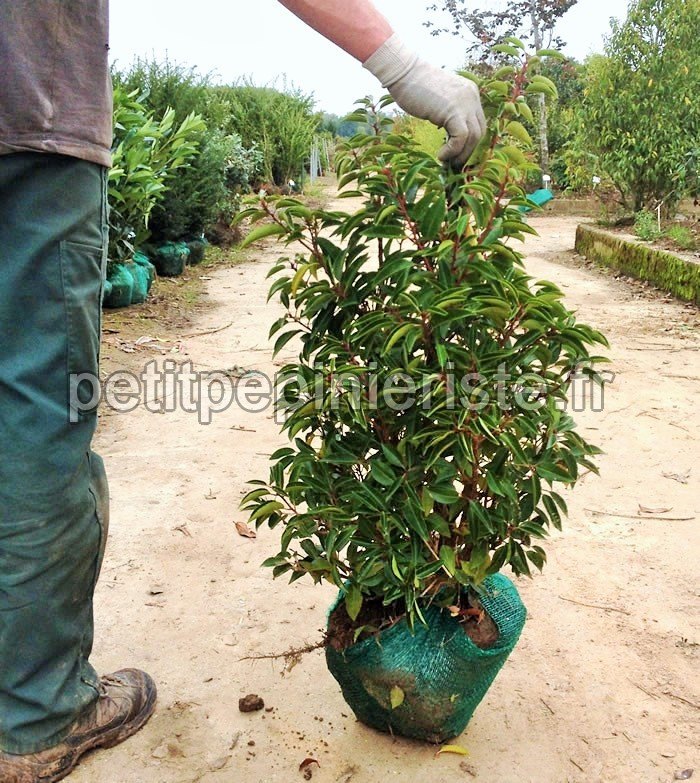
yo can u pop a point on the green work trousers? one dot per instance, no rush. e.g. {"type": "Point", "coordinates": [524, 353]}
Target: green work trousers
{"type": "Point", "coordinates": [53, 490]}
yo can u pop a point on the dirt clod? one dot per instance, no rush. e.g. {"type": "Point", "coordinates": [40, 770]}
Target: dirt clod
{"type": "Point", "coordinates": [251, 703]}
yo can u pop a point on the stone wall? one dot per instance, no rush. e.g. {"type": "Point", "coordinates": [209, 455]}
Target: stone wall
{"type": "Point", "coordinates": [677, 274]}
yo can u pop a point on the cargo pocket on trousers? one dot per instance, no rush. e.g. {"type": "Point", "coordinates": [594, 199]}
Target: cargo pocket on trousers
{"type": "Point", "coordinates": [81, 271]}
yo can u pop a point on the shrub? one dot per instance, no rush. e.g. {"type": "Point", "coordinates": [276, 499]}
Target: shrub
{"type": "Point", "coordinates": [281, 124]}
{"type": "Point", "coordinates": [164, 85]}
{"type": "Point", "coordinates": [426, 406]}
{"type": "Point", "coordinates": [146, 153]}
{"type": "Point", "coordinates": [646, 225]}
{"type": "Point", "coordinates": [209, 189]}
{"type": "Point", "coordinates": [681, 236]}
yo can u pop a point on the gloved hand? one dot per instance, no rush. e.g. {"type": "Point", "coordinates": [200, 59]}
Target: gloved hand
{"type": "Point", "coordinates": [446, 99]}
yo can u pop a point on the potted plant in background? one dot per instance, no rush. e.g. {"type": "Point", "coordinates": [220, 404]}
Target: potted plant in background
{"type": "Point", "coordinates": [426, 413]}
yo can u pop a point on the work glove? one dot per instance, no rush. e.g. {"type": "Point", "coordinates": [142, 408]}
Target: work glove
{"type": "Point", "coordinates": [446, 99]}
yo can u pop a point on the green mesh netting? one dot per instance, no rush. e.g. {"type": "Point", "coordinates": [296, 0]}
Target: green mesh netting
{"type": "Point", "coordinates": [106, 289]}
{"type": "Point", "coordinates": [170, 258]}
{"type": "Point", "coordinates": [141, 283]}
{"type": "Point", "coordinates": [122, 282]}
{"type": "Point", "coordinates": [442, 673]}
{"type": "Point", "coordinates": [143, 260]}
{"type": "Point", "coordinates": [197, 248]}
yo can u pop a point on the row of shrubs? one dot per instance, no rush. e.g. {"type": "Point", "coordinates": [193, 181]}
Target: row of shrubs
{"type": "Point", "coordinates": [186, 149]}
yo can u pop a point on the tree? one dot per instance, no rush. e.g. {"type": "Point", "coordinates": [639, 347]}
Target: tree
{"type": "Point", "coordinates": [563, 116]}
{"type": "Point", "coordinates": [280, 123]}
{"type": "Point", "coordinates": [641, 113]}
{"type": "Point", "coordinates": [531, 21]}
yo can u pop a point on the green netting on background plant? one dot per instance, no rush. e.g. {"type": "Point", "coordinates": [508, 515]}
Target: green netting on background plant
{"type": "Point", "coordinates": [143, 261]}
{"type": "Point", "coordinates": [170, 258]}
{"type": "Point", "coordinates": [122, 287]}
{"type": "Point", "coordinates": [197, 248]}
{"type": "Point", "coordinates": [106, 290]}
{"type": "Point", "coordinates": [436, 672]}
{"type": "Point", "coordinates": [141, 283]}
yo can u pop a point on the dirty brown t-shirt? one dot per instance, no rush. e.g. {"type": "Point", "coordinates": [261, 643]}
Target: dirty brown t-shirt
{"type": "Point", "coordinates": [55, 89]}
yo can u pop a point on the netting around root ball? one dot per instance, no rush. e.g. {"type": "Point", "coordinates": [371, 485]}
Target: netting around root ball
{"type": "Point", "coordinates": [441, 673]}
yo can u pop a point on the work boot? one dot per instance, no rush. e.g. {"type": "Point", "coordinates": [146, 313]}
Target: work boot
{"type": "Point", "coordinates": [127, 700]}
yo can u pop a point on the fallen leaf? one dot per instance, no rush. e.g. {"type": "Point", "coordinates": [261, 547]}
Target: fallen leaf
{"type": "Point", "coordinates": [307, 763]}
{"type": "Point", "coordinates": [397, 697]}
{"type": "Point", "coordinates": [245, 531]}
{"type": "Point", "coordinates": [646, 510]}
{"type": "Point", "coordinates": [458, 749]}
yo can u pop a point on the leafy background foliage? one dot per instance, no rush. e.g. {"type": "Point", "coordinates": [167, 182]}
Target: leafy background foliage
{"type": "Point", "coordinates": [419, 503]}
{"type": "Point", "coordinates": [146, 153]}
{"type": "Point", "coordinates": [222, 140]}
{"type": "Point", "coordinates": [641, 114]}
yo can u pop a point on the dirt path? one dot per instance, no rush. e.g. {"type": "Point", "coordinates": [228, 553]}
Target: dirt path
{"type": "Point", "coordinates": [607, 692]}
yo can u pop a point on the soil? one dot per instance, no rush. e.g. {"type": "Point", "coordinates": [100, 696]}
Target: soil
{"type": "Point", "coordinates": [602, 686]}
{"type": "Point", "coordinates": [479, 625]}
{"type": "Point", "coordinates": [251, 703]}
{"type": "Point", "coordinates": [374, 617]}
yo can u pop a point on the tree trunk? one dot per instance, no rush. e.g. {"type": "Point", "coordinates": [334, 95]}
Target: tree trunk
{"type": "Point", "coordinates": [542, 142]}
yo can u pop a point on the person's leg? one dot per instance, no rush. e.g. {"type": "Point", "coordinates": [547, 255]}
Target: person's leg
{"type": "Point", "coordinates": [53, 491]}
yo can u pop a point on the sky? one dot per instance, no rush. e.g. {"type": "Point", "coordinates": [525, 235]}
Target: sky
{"type": "Point", "coordinates": [261, 40]}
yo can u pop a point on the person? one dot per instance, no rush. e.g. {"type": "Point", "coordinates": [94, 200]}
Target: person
{"type": "Point", "coordinates": [55, 139]}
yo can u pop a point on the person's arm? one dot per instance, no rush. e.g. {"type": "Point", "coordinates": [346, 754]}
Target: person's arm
{"type": "Point", "coordinates": [354, 25]}
{"type": "Point", "coordinates": [419, 88]}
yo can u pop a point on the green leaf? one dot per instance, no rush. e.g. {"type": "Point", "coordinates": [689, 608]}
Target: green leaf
{"type": "Point", "coordinates": [397, 334]}
{"type": "Point", "coordinates": [505, 49]}
{"type": "Point", "coordinates": [555, 53]}
{"type": "Point", "coordinates": [447, 556]}
{"type": "Point", "coordinates": [443, 494]}
{"type": "Point", "coordinates": [382, 474]}
{"type": "Point", "coordinates": [392, 455]}
{"type": "Point", "coordinates": [268, 230]}
{"type": "Point", "coordinates": [397, 697]}
{"type": "Point", "coordinates": [266, 510]}
{"type": "Point", "coordinates": [517, 130]}
{"type": "Point", "coordinates": [353, 602]}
